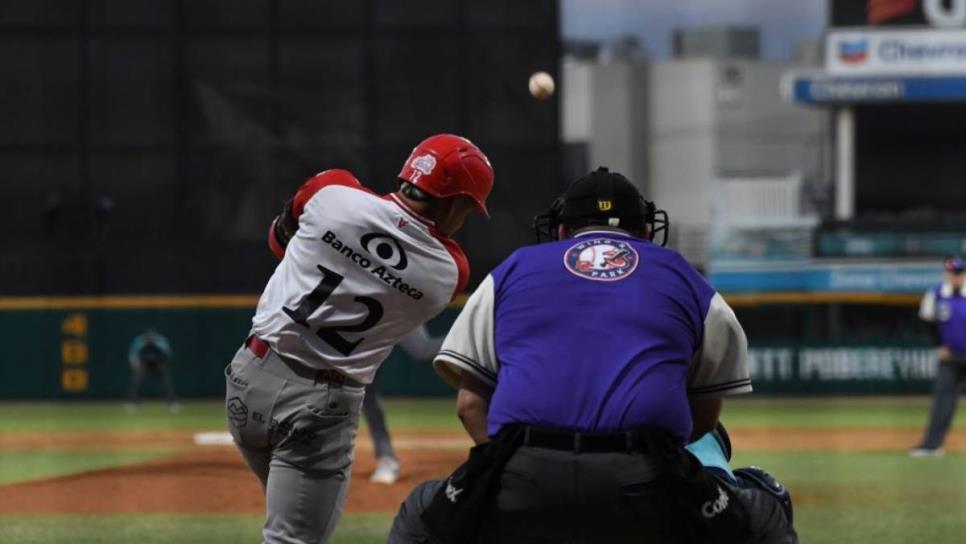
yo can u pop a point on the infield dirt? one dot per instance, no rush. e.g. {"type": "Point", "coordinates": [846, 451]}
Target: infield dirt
{"type": "Point", "coordinates": [214, 479]}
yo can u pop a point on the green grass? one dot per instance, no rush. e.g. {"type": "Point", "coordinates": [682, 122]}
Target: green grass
{"type": "Point", "coordinates": [415, 414]}
{"type": "Point", "coordinates": [439, 413]}
{"type": "Point", "coordinates": [167, 528]}
{"type": "Point", "coordinates": [871, 498]}
{"type": "Point", "coordinates": [22, 466]}
{"type": "Point", "coordinates": [862, 497]}
{"type": "Point", "coordinates": [108, 416]}
{"type": "Point", "coordinates": [403, 414]}
{"type": "Point", "coordinates": [872, 412]}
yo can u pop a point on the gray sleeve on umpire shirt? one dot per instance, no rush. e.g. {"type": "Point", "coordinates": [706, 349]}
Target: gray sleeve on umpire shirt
{"type": "Point", "coordinates": [927, 308]}
{"type": "Point", "coordinates": [469, 345]}
{"type": "Point", "coordinates": [720, 366]}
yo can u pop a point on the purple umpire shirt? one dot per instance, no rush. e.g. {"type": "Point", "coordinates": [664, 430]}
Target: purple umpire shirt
{"type": "Point", "coordinates": [947, 308]}
{"type": "Point", "coordinates": [599, 333]}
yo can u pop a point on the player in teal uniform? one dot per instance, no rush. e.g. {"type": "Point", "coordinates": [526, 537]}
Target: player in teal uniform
{"type": "Point", "coordinates": [150, 353]}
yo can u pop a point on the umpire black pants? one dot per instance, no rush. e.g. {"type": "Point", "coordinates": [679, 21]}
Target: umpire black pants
{"type": "Point", "coordinates": [561, 497]}
{"type": "Point", "coordinates": [553, 496]}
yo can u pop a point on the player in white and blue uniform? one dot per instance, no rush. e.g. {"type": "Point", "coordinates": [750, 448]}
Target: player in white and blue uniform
{"type": "Point", "coordinates": [945, 306]}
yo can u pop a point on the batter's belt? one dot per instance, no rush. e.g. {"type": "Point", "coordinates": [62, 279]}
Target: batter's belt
{"type": "Point", "coordinates": [293, 370]}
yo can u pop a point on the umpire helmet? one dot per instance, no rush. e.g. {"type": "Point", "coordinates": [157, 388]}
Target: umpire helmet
{"type": "Point", "coordinates": [447, 165]}
{"type": "Point", "coordinates": [602, 198]}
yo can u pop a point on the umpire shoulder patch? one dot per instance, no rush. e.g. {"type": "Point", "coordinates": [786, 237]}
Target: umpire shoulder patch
{"type": "Point", "coordinates": [601, 259]}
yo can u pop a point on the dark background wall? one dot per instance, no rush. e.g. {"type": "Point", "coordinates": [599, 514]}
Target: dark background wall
{"type": "Point", "coordinates": [147, 144]}
{"type": "Point", "coordinates": [911, 159]}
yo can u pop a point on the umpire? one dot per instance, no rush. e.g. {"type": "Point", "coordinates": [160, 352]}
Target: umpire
{"type": "Point", "coordinates": [945, 306]}
{"type": "Point", "coordinates": [584, 366]}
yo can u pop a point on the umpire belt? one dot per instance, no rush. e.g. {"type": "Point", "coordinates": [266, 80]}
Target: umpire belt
{"type": "Point", "coordinates": [294, 369]}
{"type": "Point", "coordinates": [639, 440]}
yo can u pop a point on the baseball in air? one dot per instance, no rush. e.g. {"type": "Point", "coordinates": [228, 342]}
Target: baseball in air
{"type": "Point", "coordinates": [541, 85]}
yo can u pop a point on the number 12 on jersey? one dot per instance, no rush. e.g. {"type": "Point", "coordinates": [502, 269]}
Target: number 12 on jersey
{"type": "Point", "coordinates": [331, 335]}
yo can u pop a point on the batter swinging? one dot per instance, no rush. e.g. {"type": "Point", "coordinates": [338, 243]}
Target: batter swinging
{"type": "Point", "coordinates": [358, 272]}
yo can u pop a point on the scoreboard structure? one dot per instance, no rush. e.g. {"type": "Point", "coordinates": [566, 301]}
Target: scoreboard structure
{"type": "Point", "coordinates": [895, 80]}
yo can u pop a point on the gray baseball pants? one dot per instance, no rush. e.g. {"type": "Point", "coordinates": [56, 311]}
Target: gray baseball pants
{"type": "Point", "coordinates": [949, 376]}
{"type": "Point", "coordinates": [297, 436]}
{"type": "Point", "coordinates": [375, 416]}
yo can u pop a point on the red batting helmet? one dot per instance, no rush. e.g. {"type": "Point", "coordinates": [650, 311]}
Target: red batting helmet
{"type": "Point", "coordinates": [447, 165]}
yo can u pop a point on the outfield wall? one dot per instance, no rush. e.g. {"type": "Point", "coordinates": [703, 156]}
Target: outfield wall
{"type": "Point", "coordinates": [76, 347]}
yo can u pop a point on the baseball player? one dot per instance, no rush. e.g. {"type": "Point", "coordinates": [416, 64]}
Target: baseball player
{"type": "Point", "coordinates": [150, 353]}
{"type": "Point", "coordinates": [945, 306]}
{"type": "Point", "coordinates": [358, 272]}
{"type": "Point", "coordinates": [584, 366]}
{"type": "Point", "coordinates": [421, 346]}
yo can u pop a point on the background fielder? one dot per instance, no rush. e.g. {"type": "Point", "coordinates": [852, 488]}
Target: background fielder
{"type": "Point", "coordinates": [945, 306]}
{"type": "Point", "coordinates": [150, 353]}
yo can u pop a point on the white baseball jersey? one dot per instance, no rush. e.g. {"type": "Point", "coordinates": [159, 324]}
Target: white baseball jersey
{"type": "Point", "coordinates": [361, 272]}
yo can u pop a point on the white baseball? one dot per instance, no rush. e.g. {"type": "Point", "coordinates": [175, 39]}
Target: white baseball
{"type": "Point", "coordinates": [541, 85]}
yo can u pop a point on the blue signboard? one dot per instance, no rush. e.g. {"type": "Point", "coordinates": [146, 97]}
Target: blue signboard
{"type": "Point", "coordinates": [889, 244]}
{"type": "Point", "coordinates": [826, 89]}
{"type": "Point", "coordinates": [826, 278]}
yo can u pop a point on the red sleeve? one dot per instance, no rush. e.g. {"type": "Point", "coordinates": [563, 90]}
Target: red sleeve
{"type": "Point", "coordinates": [319, 182]}
{"type": "Point", "coordinates": [462, 264]}
{"type": "Point", "coordinates": [301, 198]}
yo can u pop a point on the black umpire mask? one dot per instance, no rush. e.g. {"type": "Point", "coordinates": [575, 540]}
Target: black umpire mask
{"type": "Point", "coordinates": [602, 198]}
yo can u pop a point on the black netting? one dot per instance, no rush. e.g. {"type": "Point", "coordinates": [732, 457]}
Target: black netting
{"type": "Point", "coordinates": [182, 125]}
